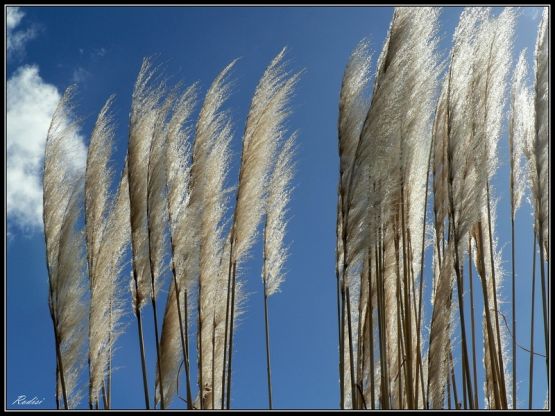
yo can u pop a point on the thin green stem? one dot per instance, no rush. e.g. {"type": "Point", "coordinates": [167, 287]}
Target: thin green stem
{"type": "Point", "coordinates": [266, 325]}
{"type": "Point", "coordinates": [227, 313]}
{"type": "Point", "coordinates": [514, 301]}
{"type": "Point", "coordinates": [142, 350]}
{"type": "Point", "coordinates": [266, 321]}
{"type": "Point", "coordinates": [544, 300]}
{"type": "Point", "coordinates": [472, 324]}
{"type": "Point", "coordinates": [186, 333]}
{"type": "Point", "coordinates": [213, 375]}
{"type": "Point", "coordinates": [199, 343]}
{"type": "Point", "coordinates": [231, 325]}
{"type": "Point", "coordinates": [531, 375]}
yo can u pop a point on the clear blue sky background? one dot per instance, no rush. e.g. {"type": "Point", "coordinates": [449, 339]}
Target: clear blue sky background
{"type": "Point", "coordinates": [102, 49]}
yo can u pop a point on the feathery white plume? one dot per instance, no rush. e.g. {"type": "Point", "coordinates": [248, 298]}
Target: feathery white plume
{"type": "Point", "coordinates": [178, 156]}
{"type": "Point", "coordinates": [352, 107]}
{"type": "Point", "coordinates": [62, 197]}
{"type": "Point", "coordinates": [210, 122]}
{"type": "Point", "coordinates": [211, 247]}
{"type": "Point", "coordinates": [439, 332]}
{"type": "Point", "coordinates": [107, 231]}
{"type": "Point", "coordinates": [520, 129]}
{"type": "Point", "coordinates": [279, 194]}
{"type": "Point", "coordinates": [538, 149]}
{"type": "Point", "coordinates": [264, 126]}
{"type": "Point", "coordinates": [157, 207]}
{"type": "Point", "coordinates": [141, 129]}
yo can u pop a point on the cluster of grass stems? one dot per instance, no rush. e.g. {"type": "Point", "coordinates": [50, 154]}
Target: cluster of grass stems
{"type": "Point", "coordinates": [171, 211]}
{"type": "Point", "coordinates": [423, 143]}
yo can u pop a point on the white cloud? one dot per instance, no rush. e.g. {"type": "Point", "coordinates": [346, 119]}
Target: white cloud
{"type": "Point", "coordinates": [16, 39]}
{"type": "Point", "coordinates": [13, 17]}
{"type": "Point", "coordinates": [30, 105]}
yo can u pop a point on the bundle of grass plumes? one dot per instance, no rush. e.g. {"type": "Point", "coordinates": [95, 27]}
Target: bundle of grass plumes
{"type": "Point", "coordinates": [389, 141]}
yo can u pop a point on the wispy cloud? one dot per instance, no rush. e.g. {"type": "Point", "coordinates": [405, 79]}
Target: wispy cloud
{"type": "Point", "coordinates": [80, 75]}
{"type": "Point", "coordinates": [30, 105]}
{"type": "Point", "coordinates": [99, 52]}
{"type": "Point", "coordinates": [17, 38]}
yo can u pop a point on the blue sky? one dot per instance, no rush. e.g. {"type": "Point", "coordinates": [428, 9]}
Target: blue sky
{"type": "Point", "coordinates": [101, 50]}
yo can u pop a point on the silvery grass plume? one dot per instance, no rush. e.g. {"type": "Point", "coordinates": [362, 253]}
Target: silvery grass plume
{"type": "Point", "coordinates": [141, 129]}
{"type": "Point", "coordinates": [520, 127]}
{"type": "Point", "coordinates": [97, 183]}
{"type": "Point", "coordinates": [464, 179]}
{"type": "Point", "coordinates": [279, 194]}
{"type": "Point", "coordinates": [490, 67]}
{"type": "Point", "coordinates": [455, 196]}
{"type": "Point", "coordinates": [210, 119]}
{"type": "Point", "coordinates": [157, 207]}
{"type": "Point", "coordinates": [265, 121]}
{"type": "Point", "coordinates": [107, 235]}
{"type": "Point", "coordinates": [210, 153]}
{"type": "Point", "coordinates": [211, 246]}
{"type": "Point", "coordinates": [404, 80]}
{"type": "Point", "coordinates": [498, 330]}
{"type": "Point", "coordinates": [476, 84]}
{"type": "Point", "coordinates": [174, 330]}
{"type": "Point", "coordinates": [218, 326]}
{"type": "Point", "coordinates": [395, 340]}
{"type": "Point", "coordinates": [111, 255]}
{"type": "Point", "coordinates": [413, 140]}
{"type": "Point", "coordinates": [157, 216]}
{"type": "Point", "coordinates": [520, 130]}
{"type": "Point", "coordinates": [275, 252]}
{"type": "Point", "coordinates": [144, 112]}
{"type": "Point", "coordinates": [265, 124]}
{"type": "Point", "coordinates": [62, 194]}
{"type": "Point", "coordinates": [440, 165]}
{"type": "Point", "coordinates": [538, 147]}
{"type": "Point", "coordinates": [498, 33]}
{"type": "Point", "coordinates": [178, 156]}
{"type": "Point", "coordinates": [70, 299]}
{"type": "Point", "coordinates": [353, 107]}
{"type": "Point", "coordinates": [438, 352]}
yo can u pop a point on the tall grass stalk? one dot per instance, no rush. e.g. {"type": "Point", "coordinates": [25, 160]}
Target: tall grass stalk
{"type": "Point", "coordinates": [532, 313]}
